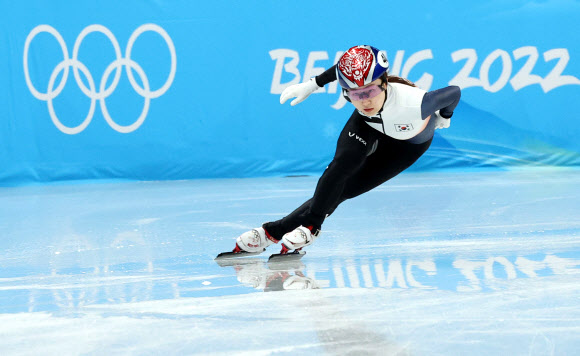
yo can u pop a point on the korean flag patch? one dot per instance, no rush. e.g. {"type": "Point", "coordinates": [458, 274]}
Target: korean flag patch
{"type": "Point", "coordinates": [403, 127]}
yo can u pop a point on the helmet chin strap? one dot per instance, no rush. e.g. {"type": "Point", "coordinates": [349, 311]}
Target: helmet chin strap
{"type": "Point", "coordinates": [385, 81]}
{"type": "Point", "coordinates": [344, 95]}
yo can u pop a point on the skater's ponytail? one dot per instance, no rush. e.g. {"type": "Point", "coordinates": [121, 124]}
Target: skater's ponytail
{"type": "Point", "coordinates": [397, 79]}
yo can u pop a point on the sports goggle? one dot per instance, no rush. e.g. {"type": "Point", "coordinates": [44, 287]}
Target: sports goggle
{"type": "Point", "coordinates": [364, 93]}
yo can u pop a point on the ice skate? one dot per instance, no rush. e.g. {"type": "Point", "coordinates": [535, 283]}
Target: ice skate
{"type": "Point", "coordinates": [298, 238]}
{"type": "Point", "coordinates": [250, 243]}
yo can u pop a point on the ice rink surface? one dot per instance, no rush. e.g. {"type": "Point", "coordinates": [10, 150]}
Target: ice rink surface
{"type": "Point", "coordinates": [480, 263]}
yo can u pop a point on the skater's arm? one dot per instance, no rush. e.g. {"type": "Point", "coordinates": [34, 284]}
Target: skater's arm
{"type": "Point", "coordinates": [328, 76]}
{"type": "Point", "coordinates": [445, 100]}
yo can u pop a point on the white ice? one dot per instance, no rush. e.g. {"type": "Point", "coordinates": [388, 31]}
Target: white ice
{"type": "Point", "coordinates": [479, 263]}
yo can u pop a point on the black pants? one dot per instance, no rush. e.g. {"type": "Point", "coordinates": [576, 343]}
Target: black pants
{"type": "Point", "coordinates": [364, 159]}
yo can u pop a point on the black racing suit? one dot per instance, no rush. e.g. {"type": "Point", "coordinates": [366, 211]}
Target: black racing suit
{"type": "Point", "coordinates": [360, 165]}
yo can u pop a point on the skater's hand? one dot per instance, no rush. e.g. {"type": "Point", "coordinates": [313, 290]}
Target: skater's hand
{"type": "Point", "coordinates": [440, 121]}
{"type": "Point", "coordinates": [299, 91]}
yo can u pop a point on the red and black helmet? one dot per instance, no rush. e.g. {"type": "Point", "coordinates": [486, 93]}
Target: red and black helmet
{"type": "Point", "coordinates": [361, 65]}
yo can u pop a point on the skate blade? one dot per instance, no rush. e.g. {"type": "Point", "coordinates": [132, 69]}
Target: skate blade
{"type": "Point", "coordinates": [230, 255]}
{"type": "Point", "coordinates": [287, 257]}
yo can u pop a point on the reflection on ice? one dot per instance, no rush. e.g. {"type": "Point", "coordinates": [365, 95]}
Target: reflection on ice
{"type": "Point", "coordinates": [457, 274]}
{"type": "Point", "coordinates": [501, 268]}
{"type": "Point", "coordinates": [268, 276]}
{"type": "Point", "coordinates": [68, 289]}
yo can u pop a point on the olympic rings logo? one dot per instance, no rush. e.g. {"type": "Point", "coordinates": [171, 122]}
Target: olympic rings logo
{"type": "Point", "coordinates": [103, 92]}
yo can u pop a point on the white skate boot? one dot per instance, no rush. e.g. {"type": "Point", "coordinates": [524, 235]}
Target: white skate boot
{"type": "Point", "coordinates": [255, 240]}
{"type": "Point", "coordinates": [298, 238]}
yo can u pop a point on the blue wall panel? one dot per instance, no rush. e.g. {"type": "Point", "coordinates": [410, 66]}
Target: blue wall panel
{"type": "Point", "coordinates": [181, 89]}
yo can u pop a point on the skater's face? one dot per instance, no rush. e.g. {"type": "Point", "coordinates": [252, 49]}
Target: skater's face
{"type": "Point", "coordinates": [367, 103]}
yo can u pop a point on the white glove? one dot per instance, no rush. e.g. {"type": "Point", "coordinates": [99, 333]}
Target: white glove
{"type": "Point", "coordinates": [440, 121]}
{"type": "Point", "coordinates": [299, 91]}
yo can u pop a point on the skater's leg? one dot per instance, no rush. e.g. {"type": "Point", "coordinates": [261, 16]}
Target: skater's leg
{"type": "Point", "coordinates": [278, 228]}
{"type": "Point", "coordinates": [391, 158]}
{"type": "Point", "coordinates": [354, 145]}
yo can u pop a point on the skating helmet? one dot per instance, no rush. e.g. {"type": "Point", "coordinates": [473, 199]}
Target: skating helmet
{"type": "Point", "coordinates": [361, 65]}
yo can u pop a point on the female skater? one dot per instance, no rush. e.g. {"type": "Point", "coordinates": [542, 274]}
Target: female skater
{"type": "Point", "coordinates": [391, 127]}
